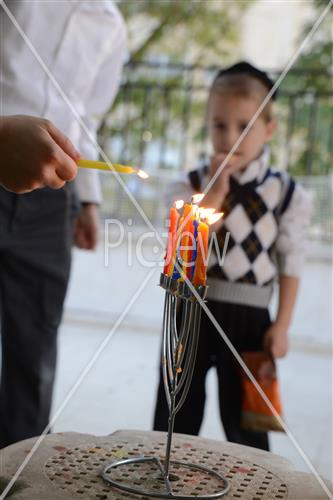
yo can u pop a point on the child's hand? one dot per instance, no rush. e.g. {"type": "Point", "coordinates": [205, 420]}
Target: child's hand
{"type": "Point", "coordinates": [276, 340]}
{"type": "Point", "coordinates": [221, 186]}
{"type": "Point", "coordinates": [222, 182]}
{"type": "Point", "coordinates": [267, 372]}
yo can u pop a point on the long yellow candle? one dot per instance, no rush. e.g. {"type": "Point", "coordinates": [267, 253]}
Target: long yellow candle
{"type": "Point", "coordinates": [113, 167]}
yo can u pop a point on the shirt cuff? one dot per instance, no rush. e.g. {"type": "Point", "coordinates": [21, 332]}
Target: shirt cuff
{"type": "Point", "coordinates": [88, 187]}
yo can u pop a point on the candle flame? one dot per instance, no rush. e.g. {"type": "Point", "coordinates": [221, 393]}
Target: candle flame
{"type": "Point", "coordinates": [206, 211]}
{"type": "Point", "coordinates": [212, 218]}
{"type": "Point", "coordinates": [179, 204]}
{"type": "Point", "coordinates": [203, 213]}
{"type": "Point", "coordinates": [196, 198]}
{"type": "Point", "coordinates": [142, 174]}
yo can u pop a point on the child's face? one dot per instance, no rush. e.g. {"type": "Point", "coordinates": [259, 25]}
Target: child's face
{"type": "Point", "coordinates": [228, 116]}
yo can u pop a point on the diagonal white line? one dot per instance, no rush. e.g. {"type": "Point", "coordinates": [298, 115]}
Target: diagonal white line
{"type": "Point", "coordinates": [70, 394]}
{"type": "Point", "coordinates": [240, 361]}
{"type": "Point", "coordinates": [269, 95]}
{"type": "Point", "coordinates": [76, 114]}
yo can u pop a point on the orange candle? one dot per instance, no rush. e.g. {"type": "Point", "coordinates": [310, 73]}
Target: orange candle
{"type": "Point", "coordinates": [172, 272]}
{"type": "Point", "coordinates": [174, 216]}
{"type": "Point", "coordinates": [189, 243]}
{"type": "Point", "coordinates": [187, 239]}
{"type": "Point", "coordinates": [199, 277]}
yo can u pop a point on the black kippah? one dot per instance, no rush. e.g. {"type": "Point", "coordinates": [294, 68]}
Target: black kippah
{"type": "Point", "coordinates": [247, 68]}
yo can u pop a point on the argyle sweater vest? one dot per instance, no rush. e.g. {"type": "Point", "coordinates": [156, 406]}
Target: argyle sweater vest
{"type": "Point", "coordinates": [250, 227]}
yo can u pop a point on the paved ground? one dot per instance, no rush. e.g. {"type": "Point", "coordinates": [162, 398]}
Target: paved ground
{"type": "Point", "coordinates": [102, 291]}
{"type": "Point", "coordinates": [119, 390]}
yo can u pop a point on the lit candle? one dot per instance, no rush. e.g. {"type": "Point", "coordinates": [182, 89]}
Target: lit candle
{"type": "Point", "coordinates": [190, 243]}
{"type": "Point", "coordinates": [111, 167]}
{"type": "Point", "coordinates": [196, 198]}
{"type": "Point", "coordinates": [174, 217]}
{"type": "Point", "coordinates": [175, 273]}
{"type": "Point", "coordinates": [195, 250]}
{"type": "Point", "coordinates": [213, 218]}
{"type": "Point", "coordinates": [208, 215]}
{"type": "Point", "coordinates": [199, 277]}
{"type": "Point", "coordinates": [186, 242]}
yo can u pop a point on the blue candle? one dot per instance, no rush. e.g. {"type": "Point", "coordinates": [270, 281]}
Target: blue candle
{"type": "Point", "coordinates": [176, 273]}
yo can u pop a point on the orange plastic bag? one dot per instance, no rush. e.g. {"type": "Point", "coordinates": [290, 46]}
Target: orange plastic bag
{"type": "Point", "coordinates": [256, 415]}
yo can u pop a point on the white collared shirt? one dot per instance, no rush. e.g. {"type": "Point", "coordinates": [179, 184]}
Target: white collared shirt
{"type": "Point", "coordinates": [83, 45]}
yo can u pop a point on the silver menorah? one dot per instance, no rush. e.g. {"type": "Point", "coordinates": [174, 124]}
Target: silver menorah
{"type": "Point", "coordinates": [179, 349]}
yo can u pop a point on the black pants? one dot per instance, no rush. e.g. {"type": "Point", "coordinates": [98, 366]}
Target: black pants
{"type": "Point", "coordinates": [35, 247]}
{"type": "Point", "coordinates": [245, 327]}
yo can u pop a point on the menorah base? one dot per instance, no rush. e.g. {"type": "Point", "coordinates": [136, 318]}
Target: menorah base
{"type": "Point", "coordinates": [221, 485]}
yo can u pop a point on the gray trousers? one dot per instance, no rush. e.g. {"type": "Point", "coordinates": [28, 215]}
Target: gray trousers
{"type": "Point", "coordinates": [35, 251]}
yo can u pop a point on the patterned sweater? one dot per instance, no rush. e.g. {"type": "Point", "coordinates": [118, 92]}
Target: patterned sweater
{"type": "Point", "coordinates": [266, 214]}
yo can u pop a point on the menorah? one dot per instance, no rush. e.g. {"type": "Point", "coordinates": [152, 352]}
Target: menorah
{"type": "Point", "coordinates": [181, 326]}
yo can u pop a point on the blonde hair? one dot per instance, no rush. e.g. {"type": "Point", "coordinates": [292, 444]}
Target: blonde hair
{"type": "Point", "coordinates": [243, 85]}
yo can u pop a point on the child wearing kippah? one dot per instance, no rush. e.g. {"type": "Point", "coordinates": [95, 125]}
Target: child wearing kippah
{"type": "Point", "coordinates": [266, 214]}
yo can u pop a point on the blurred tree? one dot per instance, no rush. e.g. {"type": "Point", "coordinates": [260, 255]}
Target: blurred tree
{"type": "Point", "coordinates": [156, 98]}
{"type": "Point", "coordinates": [158, 117]}
{"type": "Point", "coordinates": [190, 31]}
{"type": "Point", "coordinates": [311, 81]}
{"type": "Point", "coordinates": [314, 68]}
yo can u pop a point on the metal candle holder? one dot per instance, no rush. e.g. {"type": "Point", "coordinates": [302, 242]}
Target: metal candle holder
{"type": "Point", "coordinates": [180, 343]}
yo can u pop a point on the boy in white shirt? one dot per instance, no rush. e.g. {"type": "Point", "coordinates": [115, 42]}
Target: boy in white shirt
{"type": "Point", "coordinates": [266, 214]}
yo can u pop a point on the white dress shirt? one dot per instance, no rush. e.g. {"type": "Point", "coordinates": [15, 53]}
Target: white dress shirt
{"type": "Point", "coordinates": [83, 45]}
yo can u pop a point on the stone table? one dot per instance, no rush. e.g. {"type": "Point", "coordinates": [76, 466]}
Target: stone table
{"type": "Point", "coordinates": [68, 466]}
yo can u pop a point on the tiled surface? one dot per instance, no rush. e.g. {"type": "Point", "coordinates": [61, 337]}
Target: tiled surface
{"type": "Point", "coordinates": [70, 464]}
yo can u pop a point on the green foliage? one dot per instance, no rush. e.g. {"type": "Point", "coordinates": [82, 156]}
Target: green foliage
{"type": "Point", "coordinates": [311, 83]}
{"type": "Point", "coordinates": [158, 118]}
{"type": "Point", "coordinates": [191, 30]}
{"type": "Point", "coordinates": [159, 100]}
